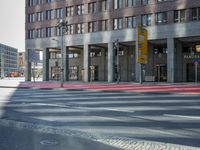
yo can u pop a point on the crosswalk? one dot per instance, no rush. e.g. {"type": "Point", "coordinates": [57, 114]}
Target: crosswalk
{"type": "Point", "coordinates": [157, 117]}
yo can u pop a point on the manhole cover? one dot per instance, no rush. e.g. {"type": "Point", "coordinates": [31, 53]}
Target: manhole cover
{"type": "Point", "coordinates": [49, 142]}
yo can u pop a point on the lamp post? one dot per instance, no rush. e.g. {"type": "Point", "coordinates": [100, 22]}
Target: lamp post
{"type": "Point", "coordinates": [63, 25]}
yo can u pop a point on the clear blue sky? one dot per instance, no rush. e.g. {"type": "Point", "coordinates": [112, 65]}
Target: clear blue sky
{"type": "Point", "coordinates": [12, 23]}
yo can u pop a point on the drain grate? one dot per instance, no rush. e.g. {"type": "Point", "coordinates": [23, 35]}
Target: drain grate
{"type": "Point", "coordinates": [48, 142]}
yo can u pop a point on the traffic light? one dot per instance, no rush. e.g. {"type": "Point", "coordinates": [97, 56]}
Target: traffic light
{"type": "Point", "coordinates": [116, 47]}
{"type": "Point", "coordinates": [116, 44]}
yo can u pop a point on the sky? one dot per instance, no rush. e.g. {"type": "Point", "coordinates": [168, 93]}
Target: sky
{"type": "Point", "coordinates": [12, 23]}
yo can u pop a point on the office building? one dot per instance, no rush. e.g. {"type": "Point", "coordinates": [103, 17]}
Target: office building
{"type": "Point", "coordinates": [94, 25]}
{"type": "Point", "coordinates": [8, 60]}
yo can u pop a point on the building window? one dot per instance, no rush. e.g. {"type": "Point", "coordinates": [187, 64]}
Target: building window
{"type": "Point", "coordinates": [179, 15]}
{"type": "Point", "coordinates": [103, 25]}
{"type": "Point", "coordinates": [80, 9]}
{"type": "Point", "coordinates": [40, 2]}
{"type": "Point", "coordinates": [160, 50]}
{"type": "Point", "coordinates": [59, 13]}
{"type": "Point", "coordinates": [49, 1]}
{"type": "Point", "coordinates": [131, 22]}
{"type": "Point", "coordinates": [145, 2]}
{"type": "Point", "coordinates": [195, 14]}
{"type": "Point", "coordinates": [40, 33]}
{"type": "Point", "coordinates": [70, 11]}
{"type": "Point", "coordinates": [92, 26]}
{"type": "Point", "coordinates": [161, 18]}
{"type": "Point", "coordinates": [79, 28]}
{"type": "Point", "coordinates": [146, 20]}
{"type": "Point", "coordinates": [31, 2]}
{"type": "Point", "coordinates": [58, 31]}
{"type": "Point", "coordinates": [49, 14]}
{"type": "Point", "coordinates": [131, 3]}
{"type": "Point", "coordinates": [49, 32]}
{"type": "Point", "coordinates": [96, 53]}
{"type": "Point", "coordinates": [70, 29]}
{"type": "Point", "coordinates": [40, 16]}
{"type": "Point", "coordinates": [92, 7]}
{"type": "Point", "coordinates": [103, 5]}
{"type": "Point", "coordinates": [118, 23]}
{"type": "Point", "coordinates": [159, 1]}
{"type": "Point", "coordinates": [31, 18]}
{"type": "Point", "coordinates": [118, 4]}
{"type": "Point", "coordinates": [31, 34]}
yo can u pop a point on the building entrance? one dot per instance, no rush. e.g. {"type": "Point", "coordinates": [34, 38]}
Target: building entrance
{"type": "Point", "coordinates": [55, 73]}
{"type": "Point", "coordinates": [191, 72]}
{"type": "Point", "coordinates": [73, 72]}
{"type": "Point", "coordinates": [161, 73]}
{"type": "Point", "coordinates": [94, 73]}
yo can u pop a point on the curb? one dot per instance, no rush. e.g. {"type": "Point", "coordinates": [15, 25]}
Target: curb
{"type": "Point", "coordinates": [96, 90]}
{"type": "Point", "coordinates": [119, 142]}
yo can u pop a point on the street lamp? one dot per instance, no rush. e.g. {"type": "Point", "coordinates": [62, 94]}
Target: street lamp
{"type": "Point", "coordinates": [63, 26]}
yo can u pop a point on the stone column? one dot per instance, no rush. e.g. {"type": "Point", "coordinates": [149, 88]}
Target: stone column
{"type": "Point", "coordinates": [103, 63]}
{"type": "Point", "coordinates": [46, 56]}
{"type": "Point", "coordinates": [150, 62]}
{"type": "Point", "coordinates": [179, 74]}
{"type": "Point", "coordinates": [27, 65]}
{"type": "Point", "coordinates": [153, 19]}
{"type": "Point", "coordinates": [170, 60]}
{"type": "Point", "coordinates": [86, 62]}
{"type": "Point", "coordinates": [66, 63]}
{"type": "Point", "coordinates": [110, 62]}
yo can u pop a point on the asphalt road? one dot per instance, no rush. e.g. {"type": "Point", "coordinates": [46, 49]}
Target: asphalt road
{"type": "Point", "coordinates": [153, 117]}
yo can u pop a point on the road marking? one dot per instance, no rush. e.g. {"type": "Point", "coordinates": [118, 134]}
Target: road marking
{"type": "Point", "coordinates": [182, 116]}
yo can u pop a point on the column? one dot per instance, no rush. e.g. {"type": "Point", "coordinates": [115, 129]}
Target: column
{"type": "Point", "coordinates": [46, 64]}
{"type": "Point", "coordinates": [170, 60]}
{"type": "Point", "coordinates": [170, 16]}
{"type": "Point", "coordinates": [110, 62]}
{"type": "Point", "coordinates": [27, 65]}
{"type": "Point", "coordinates": [150, 62]}
{"type": "Point", "coordinates": [179, 74]}
{"type": "Point", "coordinates": [86, 62]}
{"type": "Point", "coordinates": [66, 63]}
{"type": "Point", "coordinates": [138, 68]}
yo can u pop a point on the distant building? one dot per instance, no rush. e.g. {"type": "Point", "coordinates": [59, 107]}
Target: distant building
{"type": "Point", "coordinates": [8, 60]}
{"type": "Point", "coordinates": [21, 62]}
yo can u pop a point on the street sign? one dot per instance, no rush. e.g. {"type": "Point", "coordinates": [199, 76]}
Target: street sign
{"type": "Point", "coordinates": [142, 45]}
{"type": "Point", "coordinates": [34, 56]}
{"type": "Point", "coordinates": [196, 62]}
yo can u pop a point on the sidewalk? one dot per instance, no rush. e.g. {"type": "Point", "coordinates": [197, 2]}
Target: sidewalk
{"type": "Point", "coordinates": [147, 87]}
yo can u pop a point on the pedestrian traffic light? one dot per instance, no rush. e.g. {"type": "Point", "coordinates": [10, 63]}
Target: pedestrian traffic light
{"type": "Point", "coordinates": [116, 47]}
{"type": "Point", "coordinates": [116, 44]}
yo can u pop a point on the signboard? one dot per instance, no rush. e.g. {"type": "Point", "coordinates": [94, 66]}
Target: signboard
{"type": "Point", "coordinates": [34, 56]}
{"type": "Point", "coordinates": [196, 61]}
{"type": "Point", "coordinates": [198, 48]}
{"type": "Point", "coordinates": [142, 45]}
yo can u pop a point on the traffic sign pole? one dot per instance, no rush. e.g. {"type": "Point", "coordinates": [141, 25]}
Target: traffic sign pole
{"type": "Point", "coordinates": [196, 72]}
